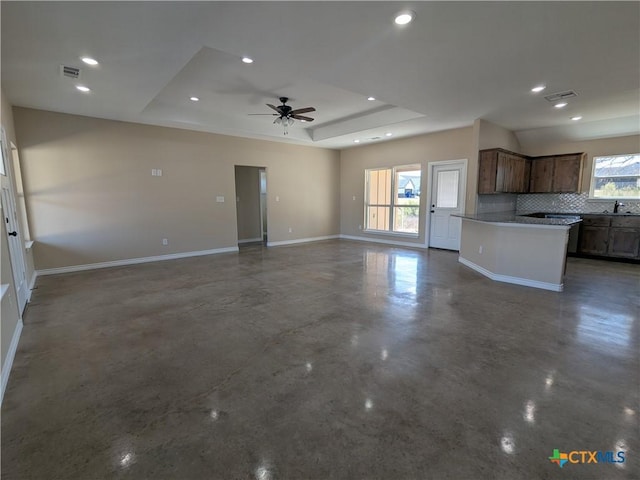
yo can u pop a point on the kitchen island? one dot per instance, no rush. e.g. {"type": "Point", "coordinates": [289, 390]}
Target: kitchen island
{"type": "Point", "coordinates": [517, 249]}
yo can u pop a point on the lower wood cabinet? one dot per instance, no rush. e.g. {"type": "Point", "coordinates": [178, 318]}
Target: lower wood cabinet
{"type": "Point", "coordinates": [624, 242]}
{"type": "Point", "coordinates": [593, 240]}
{"type": "Point", "coordinates": [610, 236]}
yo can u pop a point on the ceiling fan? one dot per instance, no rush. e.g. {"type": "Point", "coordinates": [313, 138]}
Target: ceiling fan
{"type": "Point", "coordinates": [285, 114]}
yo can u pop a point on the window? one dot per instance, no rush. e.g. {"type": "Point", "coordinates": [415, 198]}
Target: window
{"type": "Point", "coordinates": [392, 200]}
{"type": "Point", "coordinates": [616, 176]}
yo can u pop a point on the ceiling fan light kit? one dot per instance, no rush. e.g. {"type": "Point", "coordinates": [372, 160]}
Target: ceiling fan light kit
{"type": "Point", "coordinates": [286, 115]}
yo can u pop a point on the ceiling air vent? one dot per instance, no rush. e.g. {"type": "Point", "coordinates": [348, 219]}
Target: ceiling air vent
{"type": "Point", "coordinates": [71, 72]}
{"type": "Point", "coordinates": [555, 97]}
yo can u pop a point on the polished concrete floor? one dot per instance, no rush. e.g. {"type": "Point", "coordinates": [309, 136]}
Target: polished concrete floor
{"type": "Point", "coordinates": [336, 359]}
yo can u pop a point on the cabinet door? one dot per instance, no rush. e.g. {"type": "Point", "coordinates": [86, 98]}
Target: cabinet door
{"type": "Point", "coordinates": [503, 173]}
{"type": "Point", "coordinates": [593, 240]}
{"type": "Point", "coordinates": [513, 173]}
{"type": "Point", "coordinates": [541, 175]}
{"type": "Point", "coordinates": [567, 173]}
{"type": "Point", "coordinates": [487, 171]}
{"type": "Point", "coordinates": [624, 242]}
{"type": "Point", "coordinates": [524, 182]}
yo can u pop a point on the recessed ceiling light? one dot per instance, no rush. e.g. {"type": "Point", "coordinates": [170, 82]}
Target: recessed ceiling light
{"type": "Point", "coordinates": [194, 99]}
{"type": "Point", "coordinates": [388, 134]}
{"type": "Point", "coordinates": [404, 17]}
{"type": "Point", "coordinates": [576, 118]}
{"type": "Point", "coordinates": [539, 88]}
{"type": "Point", "coordinates": [356, 141]}
{"type": "Point", "coordinates": [82, 88]}
{"type": "Point", "coordinates": [247, 60]}
{"type": "Point", "coordinates": [561, 105]}
{"type": "Point", "coordinates": [371, 99]}
{"type": "Point", "coordinates": [89, 61]}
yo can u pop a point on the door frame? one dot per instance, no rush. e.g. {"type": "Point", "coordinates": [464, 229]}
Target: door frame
{"type": "Point", "coordinates": [462, 188]}
{"type": "Point", "coordinates": [266, 198]}
{"type": "Point", "coordinates": [16, 257]}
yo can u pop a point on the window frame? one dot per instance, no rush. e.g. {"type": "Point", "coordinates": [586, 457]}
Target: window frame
{"type": "Point", "coordinates": [592, 180]}
{"type": "Point", "coordinates": [392, 205]}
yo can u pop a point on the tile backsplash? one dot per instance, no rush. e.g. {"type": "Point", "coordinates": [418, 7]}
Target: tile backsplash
{"type": "Point", "coordinates": [571, 202]}
{"type": "Point", "coordinates": [505, 202]}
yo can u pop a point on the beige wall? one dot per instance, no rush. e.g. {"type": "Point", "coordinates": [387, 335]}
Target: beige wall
{"type": "Point", "coordinates": [248, 202]}
{"type": "Point", "coordinates": [448, 145]}
{"type": "Point", "coordinates": [491, 135]}
{"type": "Point", "coordinates": [91, 196]}
{"type": "Point", "coordinates": [593, 148]}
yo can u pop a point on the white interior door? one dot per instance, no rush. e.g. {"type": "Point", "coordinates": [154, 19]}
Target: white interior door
{"type": "Point", "coordinates": [14, 241]}
{"type": "Point", "coordinates": [448, 182]}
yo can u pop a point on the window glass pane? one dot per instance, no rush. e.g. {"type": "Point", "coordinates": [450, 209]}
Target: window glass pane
{"type": "Point", "coordinates": [447, 189]}
{"type": "Point", "coordinates": [616, 176]}
{"type": "Point", "coordinates": [406, 219]}
{"type": "Point", "coordinates": [393, 199]}
{"type": "Point", "coordinates": [379, 187]}
{"type": "Point", "coordinates": [378, 218]}
{"type": "Point", "coordinates": [407, 187]}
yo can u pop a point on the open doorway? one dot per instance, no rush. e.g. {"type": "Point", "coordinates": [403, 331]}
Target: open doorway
{"type": "Point", "coordinates": [251, 204]}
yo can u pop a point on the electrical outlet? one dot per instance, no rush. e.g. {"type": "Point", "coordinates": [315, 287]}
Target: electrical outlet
{"type": "Point", "coordinates": [165, 241]}
{"type": "Point", "coordinates": [159, 172]}
{"type": "Point", "coordinates": [359, 227]}
{"type": "Point", "coordinates": [354, 197]}
{"type": "Point", "coordinates": [290, 229]}
{"type": "Point", "coordinates": [277, 198]}
{"type": "Point", "coordinates": [220, 199]}
{"type": "Point", "coordinates": [480, 250]}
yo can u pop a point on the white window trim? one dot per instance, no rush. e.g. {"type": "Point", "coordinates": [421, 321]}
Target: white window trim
{"type": "Point", "coordinates": [592, 181]}
{"type": "Point", "coordinates": [392, 205]}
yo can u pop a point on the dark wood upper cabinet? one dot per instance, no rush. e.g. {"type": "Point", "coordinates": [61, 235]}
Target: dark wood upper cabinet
{"type": "Point", "coordinates": [502, 171]}
{"type": "Point", "coordinates": [541, 175]}
{"type": "Point", "coordinates": [556, 173]}
{"type": "Point", "coordinates": [567, 175]}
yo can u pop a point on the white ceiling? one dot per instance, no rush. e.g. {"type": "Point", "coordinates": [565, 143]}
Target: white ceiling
{"type": "Point", "coordinates": [458, 61]}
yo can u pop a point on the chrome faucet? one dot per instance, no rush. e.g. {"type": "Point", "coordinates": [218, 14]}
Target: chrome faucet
{"type": "Point", "coordinates": [616, 206]}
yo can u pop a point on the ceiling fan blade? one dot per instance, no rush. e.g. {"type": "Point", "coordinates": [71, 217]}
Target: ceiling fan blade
{"type": "Point", "coordinates": [302, 117]}
{"type": "Point", "coordinates": [302, 110]}
{"type": "Point", "coordinates": [273, 108]}
{"type": "Point", "coordinates": [270, 114]}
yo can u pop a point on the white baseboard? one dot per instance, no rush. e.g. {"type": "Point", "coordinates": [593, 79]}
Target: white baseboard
{"type": "Point", "coordinates": [385, 241]}
{"type": "Point", "coordinates": [250, 240]}
{"type": "Point", "coordinates": [302, 240]}
{"type": "Point", "coordinates": [134, 261]}
{"type": "Point", "coordinates": [32, 284]}
{"type": "Point", "coordinates": [556, 287]}
{"type": "Point", "coordinates": [7, 363]}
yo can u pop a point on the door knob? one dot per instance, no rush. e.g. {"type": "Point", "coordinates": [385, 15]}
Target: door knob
{"type": "Point", "coordinates": [13, 234]}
